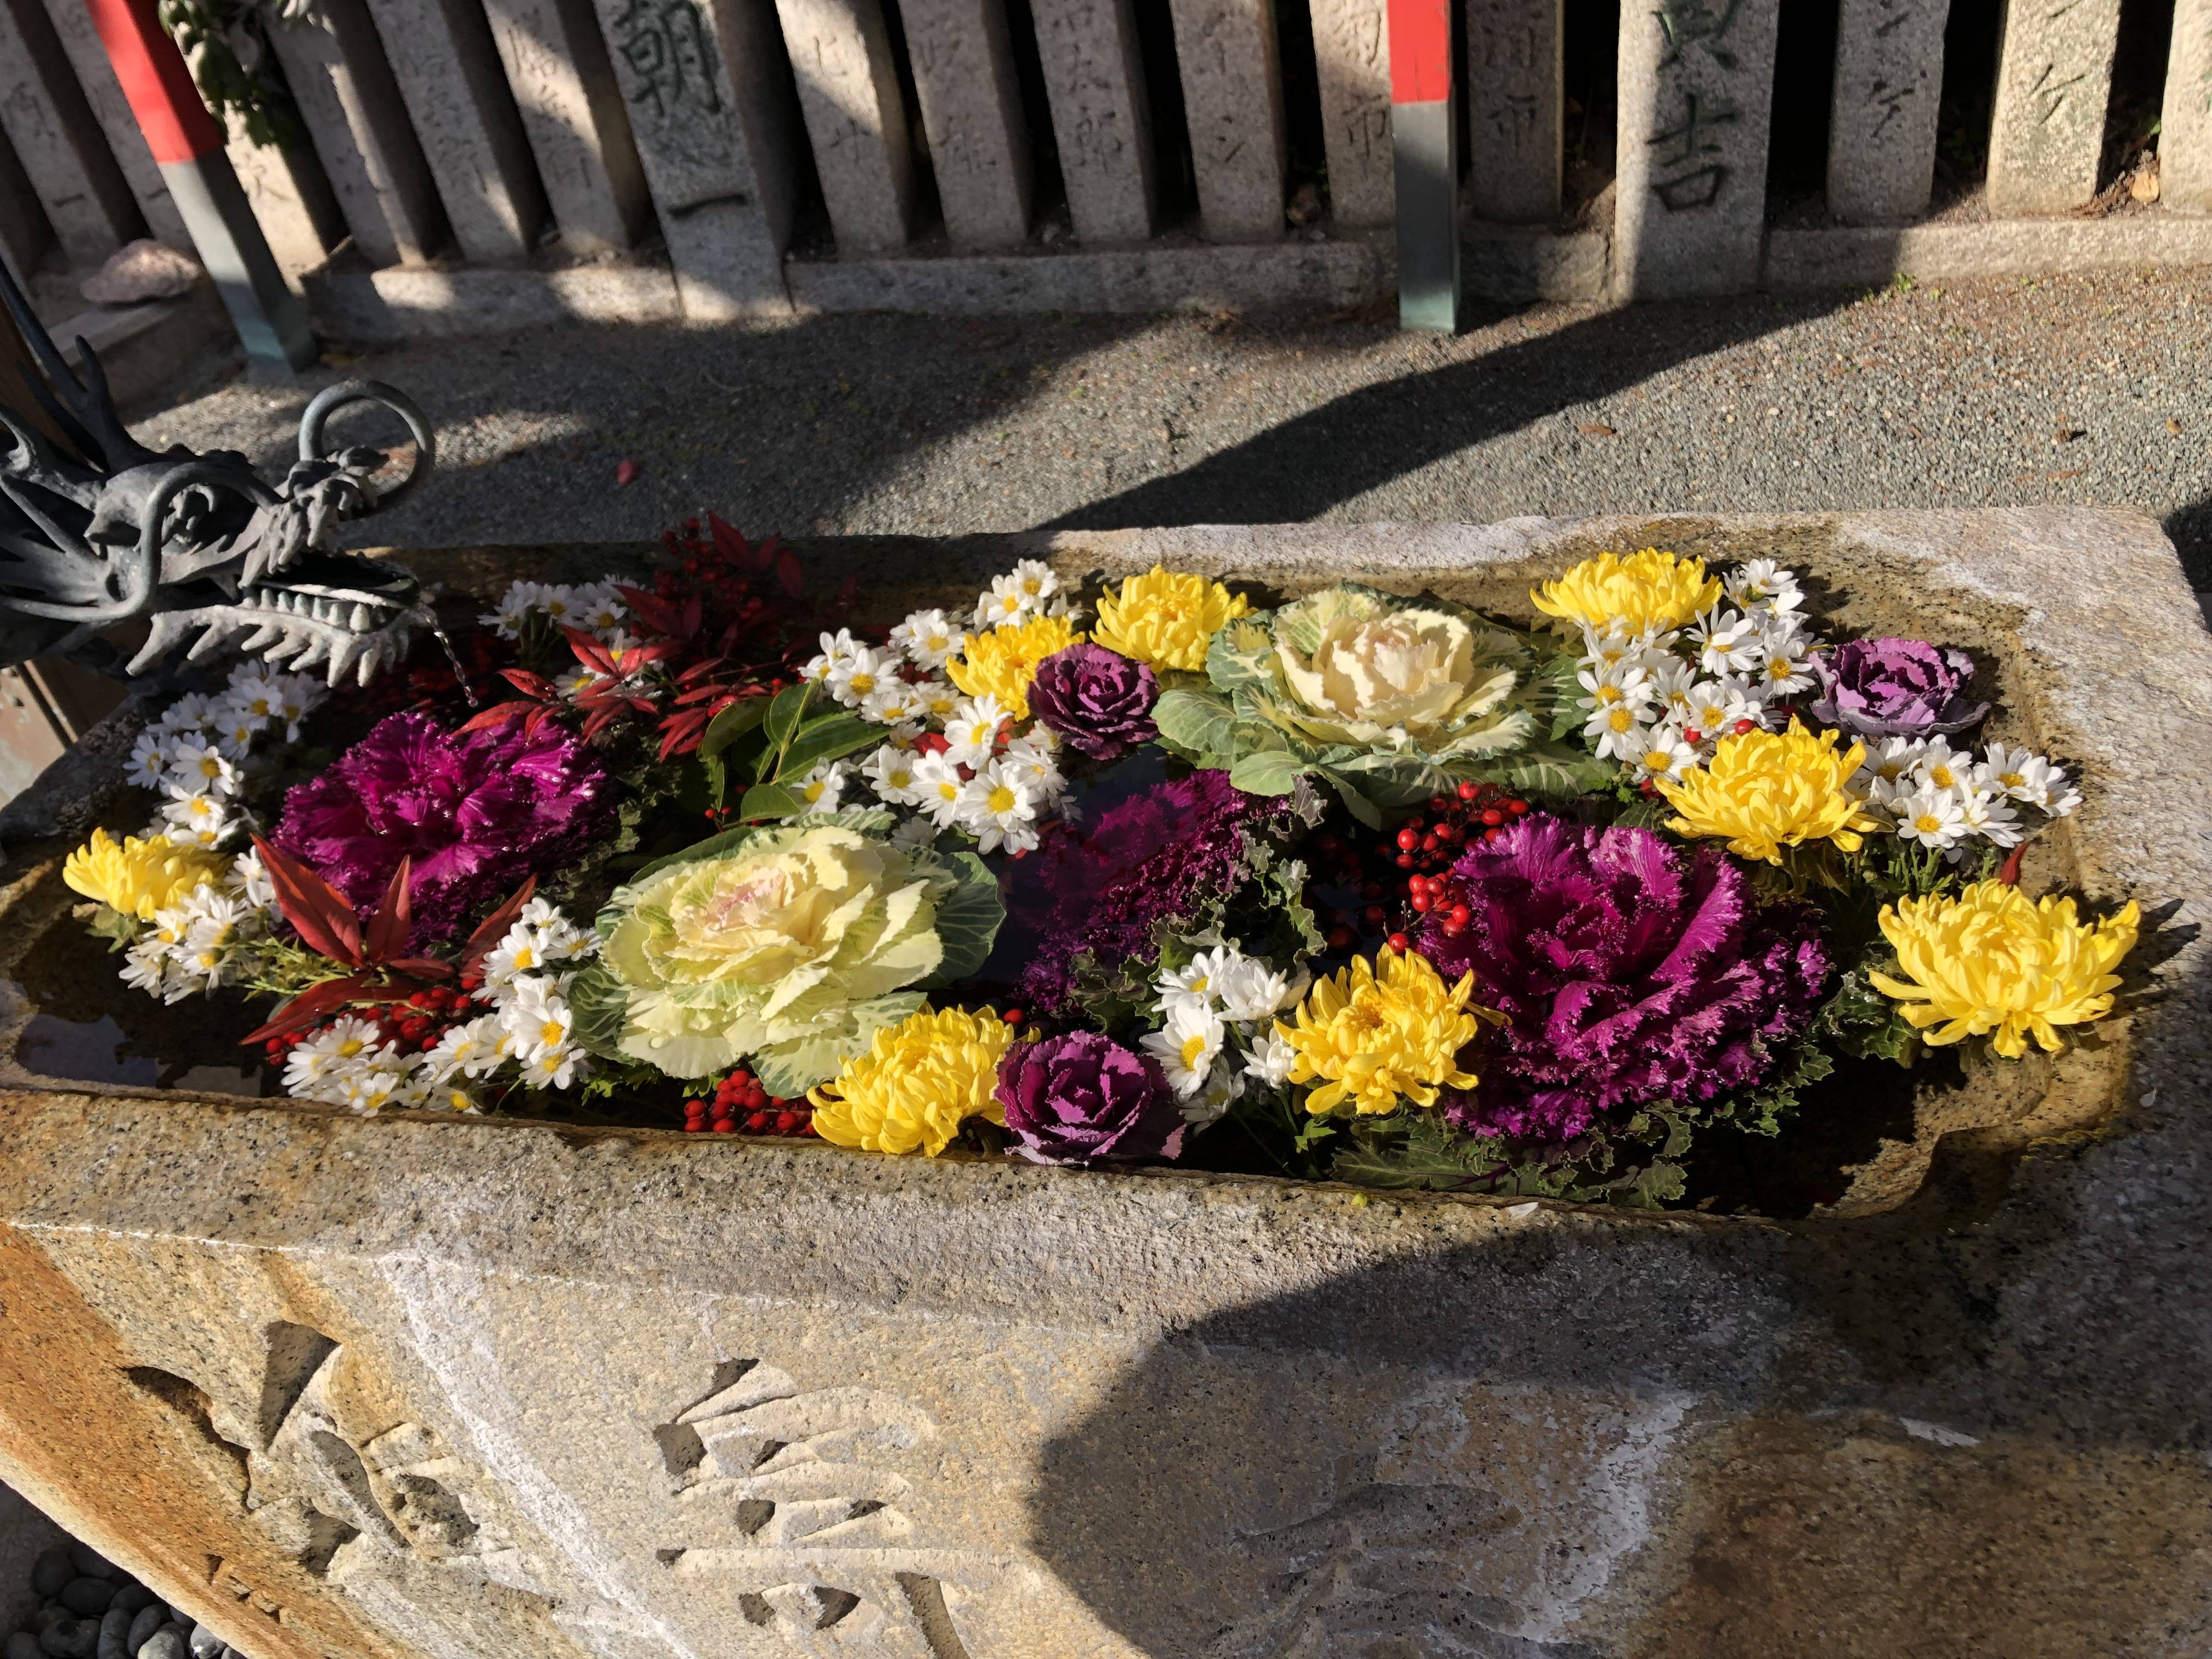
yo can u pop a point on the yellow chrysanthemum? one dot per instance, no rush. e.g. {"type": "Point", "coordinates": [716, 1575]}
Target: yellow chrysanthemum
{"type": "Point", "coordinates": [1374, 1041]}
{"type": "Point", "coordinates": [139, 877]}
{"type": "Point", "coordinates": [1994, 960]}
{"type": "Point", "coordinates": [1639, 592]}
{"type": "Point", "coordinates": [920, 1081]}
{"type": "Point", "coordinates": [1002, 663]}
{"type": "Point", "coordinates": [1764, 791]}
{"type": "Point", "coordinates": [1165, 619]}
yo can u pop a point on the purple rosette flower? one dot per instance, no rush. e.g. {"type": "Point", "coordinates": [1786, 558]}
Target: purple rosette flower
{"type": "Point", "coordinates": [1096, 699]}
{"type": "Point", "coordinates": [1082, 1097]}
{"type": "Point", "coordinates": [1629, 970]}
{"type": "Point", "coordinates": [476, 813]}
{"type": "Point", "coordinates": [1896, 689]}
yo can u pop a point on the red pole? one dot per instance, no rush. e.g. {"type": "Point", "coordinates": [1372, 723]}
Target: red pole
{"type": "Point", "coordinates": [1424, 135]}
{"type": "Point", "coordinates": [189, 147]}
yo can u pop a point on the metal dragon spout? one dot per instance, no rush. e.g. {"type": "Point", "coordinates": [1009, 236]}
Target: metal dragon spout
{"type": "Point", "coordinates": [98, 532]}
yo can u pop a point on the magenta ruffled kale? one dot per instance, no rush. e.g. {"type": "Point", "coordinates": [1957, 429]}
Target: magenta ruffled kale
{"type": "Point", "coordinates": [1894, 688]}
{"type": "Point", "coordinates": [1146, 861]}
{"type": "Point", "coordinates": [1083, 1098]}
{"type": "Point", "coordinates": [476, 813]}
{"type": "Point", "coordinates": [1629, 971]}
{"type": "Point", "coordinates": [1098, 700]}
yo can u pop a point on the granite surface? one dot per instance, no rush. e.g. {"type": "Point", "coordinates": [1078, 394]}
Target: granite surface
{"type": "Point", "coordinates": [441, 1388]}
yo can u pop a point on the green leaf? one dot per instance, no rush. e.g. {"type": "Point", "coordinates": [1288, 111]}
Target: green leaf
{"type": "Point", "coordinates": [1240, 656]}
{"type": "Point", "coordinates": [1202, 724]}
{"type": "Point", "coordinates": [789, 1070]}
{"type": "Point", "coordinates": [967, 918]}
{"type": "Point", "coordinates": [732, 723]}
{"type": "Point", "coordinates": [600, 1003]}
{"type": "Point", "coordinates": [784, 714]}
{"type": "Point", "coordinates": [1355, 800]}
{"type": "Point", "coordinates": [826, 738]}
{"type": "Point", "coordinates": [1559, 683]}
{"type": "Point", "coordinates": [769, 801]}
{"type": "Point", "coordinates": [1267, 772]}
{"type": "Point", "coordinates": [1553, 771]}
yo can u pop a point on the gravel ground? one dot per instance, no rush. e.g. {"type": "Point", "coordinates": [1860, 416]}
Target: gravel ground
{"type": "Point", "coordinates": [2074, 390]}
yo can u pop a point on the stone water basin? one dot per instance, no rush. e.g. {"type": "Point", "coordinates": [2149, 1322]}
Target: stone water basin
{"type": "Point", "coordinates": [438, 1388]}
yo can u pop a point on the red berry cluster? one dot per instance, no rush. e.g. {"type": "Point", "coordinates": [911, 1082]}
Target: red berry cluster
{"type": "Point", "coordinates": [1424, 847]}
{"type": "Point", "coordinates": [411, 1026]}
{"type": "Point", "coordinates": [740, 1103]}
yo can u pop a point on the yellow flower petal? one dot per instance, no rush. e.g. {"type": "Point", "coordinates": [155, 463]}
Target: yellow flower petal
{"type": "Point", "coordinates": [1763, 791]}
{"type": "Point", "coordinates": [1649, 590]}
{"type": "Point", "coordinates": [1992, 961]}
{"type": "Point", "coordinates": [920, 1081]}
{"type": "Point", "coordinates": [1373, 1041]}
{"type": "Point", "coordinates": [139, 877]}
{"type": "Point", "coordinates": [1166, 619]}
{"type": "Point", "coordinates": [1002, 663]}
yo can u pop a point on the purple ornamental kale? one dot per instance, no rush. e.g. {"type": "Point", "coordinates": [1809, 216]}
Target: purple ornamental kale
{"type": "Point", "coordinates": [1896, 689]}
{"type": "Point", "coordinates": [1098, 699]}
{"type": "Point", "coordinates": [1629, 971]}
{"type": "Point", "coordinates": [476, 813]}
{"type": "Point", "coordinates": [1100, 893]}
{"type": "Point", "coordinates": [1076, 1098]}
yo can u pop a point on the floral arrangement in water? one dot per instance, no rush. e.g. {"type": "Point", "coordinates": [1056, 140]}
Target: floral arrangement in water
{"type": "Point", "coordinates": [1354, 884]}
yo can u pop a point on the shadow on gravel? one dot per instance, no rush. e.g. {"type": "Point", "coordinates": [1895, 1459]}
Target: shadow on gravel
{"type": "Point", "coordinates": [1308, 465]}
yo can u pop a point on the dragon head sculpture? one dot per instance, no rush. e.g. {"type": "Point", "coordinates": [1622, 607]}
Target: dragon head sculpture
{"type": "Point", "coordinates": [97, 531]}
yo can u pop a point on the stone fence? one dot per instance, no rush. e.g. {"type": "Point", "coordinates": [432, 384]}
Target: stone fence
{"type": "Point", "coordinates": [474, 163]}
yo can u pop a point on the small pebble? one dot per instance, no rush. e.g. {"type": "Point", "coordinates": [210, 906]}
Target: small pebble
{"type": "Point", "coordinates": [89, 1597]}
{"type": "Point", "coordinates": [133, 1596]}
{"type": "Point", "coordinates": [148, 1620]}
{"type": "Point", "coordinates": [114, 1630]}
{"type": "Point", "coordinates": [53, 1571]}
{"type": "Point", "coordinates": [93, 1564]}
{"type": "Point", "coordinates": [166, 1642]}
{"type": "Point", "coordinates": [23, 1645]}
{"type": "Point", "coordinates": [206, 1644]}
{"type": "Point", "coordinates": [70, 1638]}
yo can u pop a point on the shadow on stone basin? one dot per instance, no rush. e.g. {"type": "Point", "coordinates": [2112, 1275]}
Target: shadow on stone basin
{"type": "Point", "coordinates": [1976, 1427]}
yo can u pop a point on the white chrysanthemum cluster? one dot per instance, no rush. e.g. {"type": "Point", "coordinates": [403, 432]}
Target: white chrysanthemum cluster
{"type": "Point", "coordinates": [1217, 1031]}
{"type": "Point", "coordinates": [960, 763]}
{"type": "Point", "coordinates": [527, 1035]}
{"type": "Point", "coordinates": [1925, 791]}
{"type": "Point", "coordinates": [596, 607]}
{"type": "Point", "coordinates": [195, 754]}
{"type": "Point", "coordinates": [1659, 702]}
{"type": "Point", "coordinates": [213, 938]}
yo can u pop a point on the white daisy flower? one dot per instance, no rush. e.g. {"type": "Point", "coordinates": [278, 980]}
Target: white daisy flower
{"type": "Point", "coordinates": [1623, 681]}
{"type": "Point", "coordinates": [999, 808]}
{"type": "Point", "coordinates": [345, 1038]}
{"type": "Point", "coordinates": [373, 1088]}
{"type": "Point", "coordinates": [937, 783]}
{"type": "Point", "coordinates": [836, 649]}
{"type": "Point", "coordinates": [518, 955]}
{"type": "Point", "coordinates": [197, 766]}
{"type": "Point", "coordinates": [1930, 816]}
{"type": "Point", "coordinates": [1608, 649]}
{"type": "Point", "coordinates": [1991, 816]}
{"type": "Point", "coordinates": [555, 1068]}
{"type": "Point", "coordinates": [929, 639]}
{"type": "Point", "coordinates": [253, 678]}
{"type": "Point", "coordinates": [559, 602]}
{"type": "Point", "coordinates": [1619, 732]}
{"type": "Point", "coordinates": [894, 703]}
{"type": "Point", "coordinates": [250, 881]}
{"type": "Point", "coordinates": [939, 700]}
{"type": "Point", "coordinates": [198, 816]}
{"type": "Point", "coordinates": [1186, 1046]}
{"type": "Point", "coordinates": [2027, 777]}
{"type": "Point", "coordinates": [150, 755]}
{"type": "Point", "coordinates": [891, 772]}
{"type": "Point", "coordinates": [1788, 669]}
{"type": "Point", "coordinates": [972, 733]}
{"type": "Point", "coordinates": [1270, 1060]}
{"type": "Point", "coordinates": [1727, 642]}
{"type": "Point", "coordinates": [1941, 767]}
{"type": "Point", "coordinates": [235, 729]}
{"type": "Point", "coordinates": [1029, 589]}
{"type": "Point", "coordinates": [1226, 982]}
{"type": "Point", "coordinates": [601, 609]}
{"type": "Point", "coordinates": [465, 1049]}
{"type": "Point", "coordinates": [188, 713]}
{"type": "Point", "coordinates": [451, 1097]}
{"type": "Point", "coordinates": [1764, 582]}
{"type": "Point", "coordinates": [296, 698]}
{"type": "Point", "coordinates": [540, 1018]}
{"type": "Point", "coordinates": [1035, 756]}
{"type": "Point", "coordinates": [1889, 762]}
{"type": "Point", "coordinates": [146, 964]}
{"type": "Point", "coordinates": [855, 677]}
{"type": "Point", "coordinates": [1718, 707]}
{"type": "Point", "coordinates": [514, 609]}
{"type": "Point", "coordinates": [1665, 754]}
{"type": "Point", "coordinates": [1672, 684]}
{"type": "Point", "coordinates": [821, 789]}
